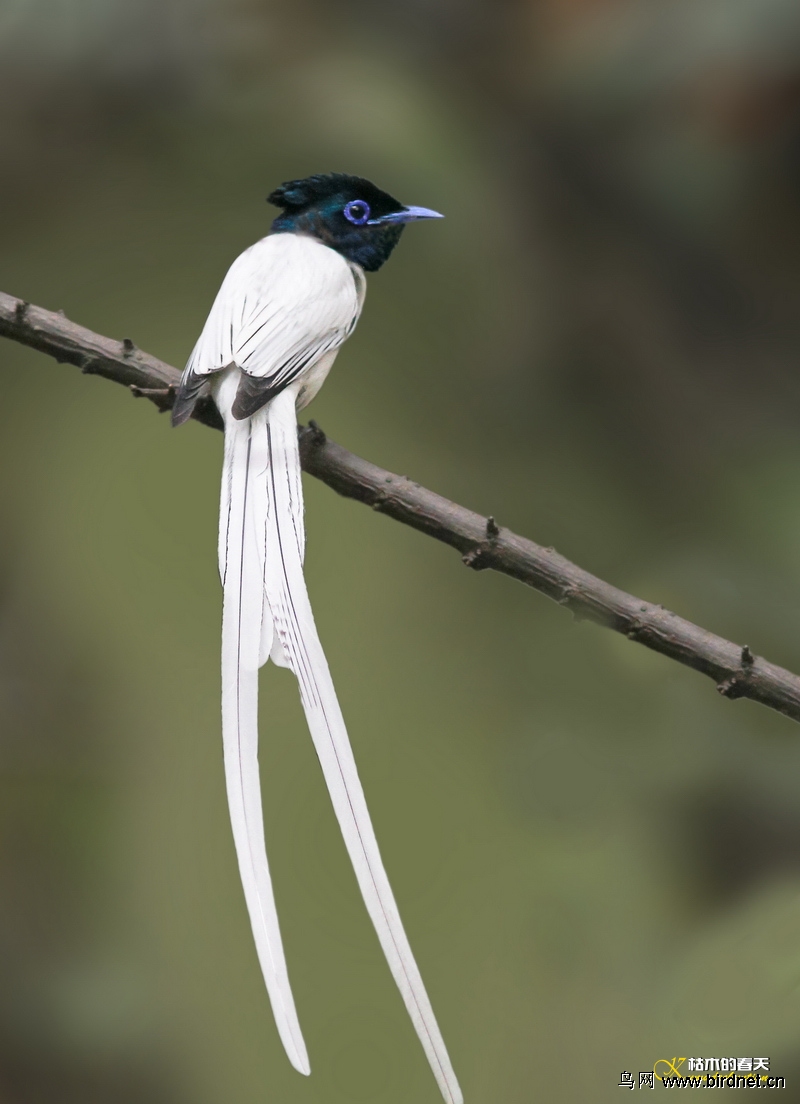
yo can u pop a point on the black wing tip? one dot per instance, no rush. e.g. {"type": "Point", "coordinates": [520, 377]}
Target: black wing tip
{"type": "Point", "coordinates": [179, 416]}
{"type": "Point", "coordinates": [190, 389]}
{"type": "Point", "coordinates": [251, 394]}
{"type": "Point", "coordinates": [182, 409]}
{"type": "Point", "coordinates": [241, 410]}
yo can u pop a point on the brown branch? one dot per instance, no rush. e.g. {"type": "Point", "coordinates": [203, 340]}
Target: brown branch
{"type": "Point", "coordinates": [481, 542]}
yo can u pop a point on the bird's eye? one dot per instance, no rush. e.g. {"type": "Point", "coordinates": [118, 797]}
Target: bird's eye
{"type": "Point", "coordinates": [357, 211]}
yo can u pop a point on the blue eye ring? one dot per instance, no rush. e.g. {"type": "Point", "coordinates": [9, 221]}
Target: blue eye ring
{"type": "Point", "coordinates": [357, 211]}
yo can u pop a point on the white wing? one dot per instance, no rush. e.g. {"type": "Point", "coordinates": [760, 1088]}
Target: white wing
{"type": "Point", "coordinates": [284, 303]}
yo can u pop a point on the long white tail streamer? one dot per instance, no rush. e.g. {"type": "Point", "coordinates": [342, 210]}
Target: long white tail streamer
{"type": "Point", "coordinates": [242, 560]}
{"type": "Point", "coordinates": [275, 463]}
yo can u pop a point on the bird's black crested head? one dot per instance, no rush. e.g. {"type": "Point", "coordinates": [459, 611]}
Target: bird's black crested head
{"type": "Point", "coordinates": [347, 213]}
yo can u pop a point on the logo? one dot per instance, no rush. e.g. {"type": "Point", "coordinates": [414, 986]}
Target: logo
{"type": "Point", "coordinates": [705, 1073]}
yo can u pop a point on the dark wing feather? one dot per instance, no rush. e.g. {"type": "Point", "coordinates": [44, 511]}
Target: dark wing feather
{"type": "Point", "coordinates": [190, 389]}
{"type": "Point", "coordinates": [254, 392]}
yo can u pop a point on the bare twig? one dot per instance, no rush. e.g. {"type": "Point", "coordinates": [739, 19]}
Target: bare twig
{"type": "Point", "coordinates": [482, 543]}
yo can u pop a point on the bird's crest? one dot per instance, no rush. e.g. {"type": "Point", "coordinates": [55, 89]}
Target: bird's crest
{"type": "Point", "coordinates": [293, 195]}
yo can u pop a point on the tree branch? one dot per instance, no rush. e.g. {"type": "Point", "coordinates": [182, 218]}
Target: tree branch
{"type": "Point", "coordinates": [481, 542]}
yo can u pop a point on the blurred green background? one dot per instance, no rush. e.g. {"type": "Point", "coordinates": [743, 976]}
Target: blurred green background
{"type": "Point", "coordinates": [596, 857]}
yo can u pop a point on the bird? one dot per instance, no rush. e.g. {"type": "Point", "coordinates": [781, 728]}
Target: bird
{"type": "Point", "coordinates": [283, 310]}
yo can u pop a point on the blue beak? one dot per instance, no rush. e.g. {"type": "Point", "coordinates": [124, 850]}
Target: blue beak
{"type": "Point", "coordinates": [408, 214]}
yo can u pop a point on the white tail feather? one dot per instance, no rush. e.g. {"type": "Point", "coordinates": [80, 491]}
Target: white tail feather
{"type": "Point", "coordinates": [296, 634]}
{"type": "Point", "coordinates": [242, 558]}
